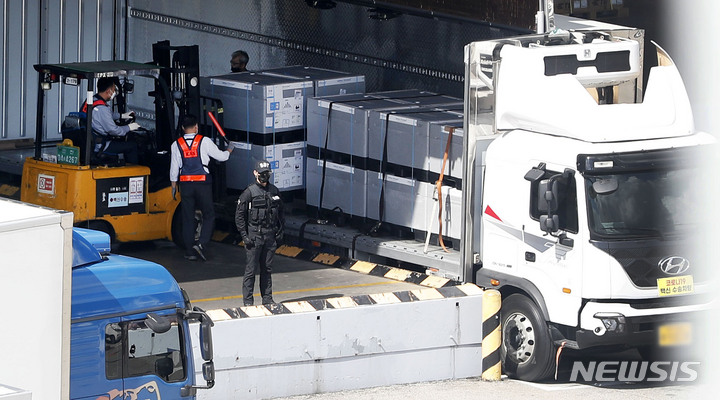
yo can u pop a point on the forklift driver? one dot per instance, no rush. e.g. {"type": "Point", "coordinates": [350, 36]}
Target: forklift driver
{"type": "Point", "coordinates": [108, 136]}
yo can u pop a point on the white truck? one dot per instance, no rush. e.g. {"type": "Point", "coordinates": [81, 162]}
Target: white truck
{"type": "Point", "coordinates": [577, 202]}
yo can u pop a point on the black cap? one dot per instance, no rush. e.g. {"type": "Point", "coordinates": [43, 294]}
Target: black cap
{"type": "Point", "coordinates": [262, 166]}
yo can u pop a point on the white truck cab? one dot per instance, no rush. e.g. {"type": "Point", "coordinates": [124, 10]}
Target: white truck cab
{"type": "Point", "coordinates": [585, 199]}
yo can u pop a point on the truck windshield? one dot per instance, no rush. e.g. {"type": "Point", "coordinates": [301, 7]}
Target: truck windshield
{"type": "Point", "coordinates": [654, 204]}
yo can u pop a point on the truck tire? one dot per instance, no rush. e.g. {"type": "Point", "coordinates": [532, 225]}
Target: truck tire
{"type": "Point", "coordinates": [527, 351]}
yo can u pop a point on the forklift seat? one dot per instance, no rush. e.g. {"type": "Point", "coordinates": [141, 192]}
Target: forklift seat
{"type": "Point", "coordinates": [73, 128]}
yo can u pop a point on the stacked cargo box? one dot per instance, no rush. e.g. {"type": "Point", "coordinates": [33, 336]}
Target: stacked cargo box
{"type": "Point", "coordinates": [372, 156]}
{"type": "Point", "coordinates": [265, 118]}
{"type": "Point", "coordinates": [337, 132]}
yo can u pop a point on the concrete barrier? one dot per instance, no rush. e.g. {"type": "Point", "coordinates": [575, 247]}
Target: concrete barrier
{"type": "Point", "coordinates": [346, 343]}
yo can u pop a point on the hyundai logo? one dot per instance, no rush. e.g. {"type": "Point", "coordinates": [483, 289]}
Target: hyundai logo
{"type": "Point", "coordinates": [674, 265]}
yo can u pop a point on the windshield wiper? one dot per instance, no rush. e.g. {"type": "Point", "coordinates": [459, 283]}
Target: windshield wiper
{"type": "Point", "coordinates": [640, 231]}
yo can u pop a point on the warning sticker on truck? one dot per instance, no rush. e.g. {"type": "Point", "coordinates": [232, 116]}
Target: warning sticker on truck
{"type": "Point", "coordinates": [675, 285]}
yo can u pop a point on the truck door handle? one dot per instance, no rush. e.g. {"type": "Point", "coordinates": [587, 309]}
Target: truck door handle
{"type": "Point", "coordinates": [529, 256]}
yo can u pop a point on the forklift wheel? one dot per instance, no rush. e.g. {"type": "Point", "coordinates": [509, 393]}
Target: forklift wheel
{"type": "Point", "coordinates": [177, 229]}
{"type": "Point", "coordinates": [102, 226]}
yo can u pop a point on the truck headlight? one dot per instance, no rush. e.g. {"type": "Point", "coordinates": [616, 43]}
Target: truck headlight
{"type": "Point", "coordinates": [613, 322]}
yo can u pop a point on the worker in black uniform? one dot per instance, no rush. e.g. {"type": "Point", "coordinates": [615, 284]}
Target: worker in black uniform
{"type": "Point", "coordinates": [238, 61]}
{"type": "Point", "coordinates": [259, 219]}
{"type": "Point", "coordinates": [189, 159]}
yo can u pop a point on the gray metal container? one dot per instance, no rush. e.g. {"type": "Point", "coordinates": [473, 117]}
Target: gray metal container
{"type": "Point", "coordinates": [258, 103]}
{"type": "Point", "coordinates": [348, 121]}
{"type": "Point", "coordinates": [326, 82]}
{"type": "Point", "coordinates": [408, 133]}
{"type": "Point", "coordinates": [345, 187]}
{"type": "Point", "coordinates": [287, 162]}
{"type": "Point", "coordinates": [438, 142]}
{"type": "Point", "coordinates": [428, 99]}
{"type": "Point", "coordinates": [411, 204]}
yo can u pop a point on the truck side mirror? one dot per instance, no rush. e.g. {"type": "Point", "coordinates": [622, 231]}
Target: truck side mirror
{"type": "Point", "coordinates": [549, 223]}
{"type": "Point", "coordinates": [157, 323]}
{"type": "Point", "coordinates": [208, 370]}
{"type": "Point", "coordinates": [605, 186]}
{"type": "Point", "coordinates": [206, 345]}
{"type": "Point", "coordinates": [547, 196]}
{"type": "Point", "coordinates": [535, 173]}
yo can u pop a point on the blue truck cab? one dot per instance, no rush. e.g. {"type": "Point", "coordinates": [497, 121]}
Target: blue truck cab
{"type": "Point", "coordinates": [130, 335]}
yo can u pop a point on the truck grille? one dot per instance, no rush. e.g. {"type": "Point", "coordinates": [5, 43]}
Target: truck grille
{"type": "Point", "coordinates": [640, 259]}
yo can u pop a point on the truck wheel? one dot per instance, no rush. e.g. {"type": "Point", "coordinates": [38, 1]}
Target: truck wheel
{"type": "Point", "coordinates": [527, 352]}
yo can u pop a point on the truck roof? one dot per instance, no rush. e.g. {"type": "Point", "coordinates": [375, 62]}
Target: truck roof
{"type": "Point", "coordinates": [121, 285]}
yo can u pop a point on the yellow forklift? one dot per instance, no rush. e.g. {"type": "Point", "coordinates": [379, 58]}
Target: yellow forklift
{"type": "Point", "coordinates": [130, 202]}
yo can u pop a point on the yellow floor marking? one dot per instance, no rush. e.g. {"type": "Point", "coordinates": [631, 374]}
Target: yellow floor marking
{"type": "Point", "coordinates": [325, 258]}
{"type": "Point", "coordinates": [397, 274]}
{"type": "Point", "coordinates": [342, 302]}
{"type": "Point", "coordinates": [8, 190]}
{"type": "Point", "coordinates": [288, 251]}
{"type": "Point", "coordinates": [256, 311]}
{"type": "Point", "coordinates": [385, 298]}
{"type": "Point", "coordinates": [219, 236]}
{"type": "Point", "coordinates": [434, 281]}
{"type": "Point", "coordinates": [363, 266]}
{"type": "Point", "coordinates": [427, 294]}
{"type": "Point", "coordinates": [470, 289]}
{"type": "Point", "coordinates": [218, 315]}
{"type": "Point", "coordinates": [299, 306]}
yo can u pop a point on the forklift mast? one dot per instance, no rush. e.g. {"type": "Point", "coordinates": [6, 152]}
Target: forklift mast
{"type": "Point", "coordinates": [181, 72]}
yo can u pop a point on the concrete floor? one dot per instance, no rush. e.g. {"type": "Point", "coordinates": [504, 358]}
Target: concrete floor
{"type": "Point", "coordinates": [217, 283]}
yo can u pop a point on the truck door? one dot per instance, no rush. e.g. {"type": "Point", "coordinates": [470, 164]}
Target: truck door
{"type": "Point", "coordinates": [552, 242]}
{"type": "Point", "coordinates": [153, 363]}
{"type": "Point", "coordinates": [91, 375]}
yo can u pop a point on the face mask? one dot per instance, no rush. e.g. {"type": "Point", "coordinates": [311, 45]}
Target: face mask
{"type": "Point", "coordinates": [264, 177]}
{"type": "Point", "coordinates": [236, 69]}
{"type": "Point", "coordinates": [112, 96]}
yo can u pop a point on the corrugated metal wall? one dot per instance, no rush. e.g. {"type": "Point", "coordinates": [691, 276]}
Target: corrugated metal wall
{"type": "Point", "coordinates": [408, 51]}
{"type": "Point", "coordinates": [50, 31]}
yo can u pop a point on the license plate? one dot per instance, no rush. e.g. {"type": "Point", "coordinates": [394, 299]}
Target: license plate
{"type": "Point", "coordinates": [678, 334]}
{"type": "Point", "coordinates": [675, 285]}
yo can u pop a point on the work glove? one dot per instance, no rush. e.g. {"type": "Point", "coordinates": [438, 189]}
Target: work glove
{"type": "Point", "coordinates": [128, 115]}
{"type": "Point", "coordinates": [134, 126]}
{"type": "Point", "coordinates": [230, 147]}
{"type": "Point", "coordinates": [249, 244]}
{"type": "Point", "coordinates": [174, 192]}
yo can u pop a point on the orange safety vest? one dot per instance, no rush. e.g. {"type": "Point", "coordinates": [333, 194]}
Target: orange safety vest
{"type": "Point", "coordinates": [192, 169]}
{"type": "Point", "coordinates": [97, 102]}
